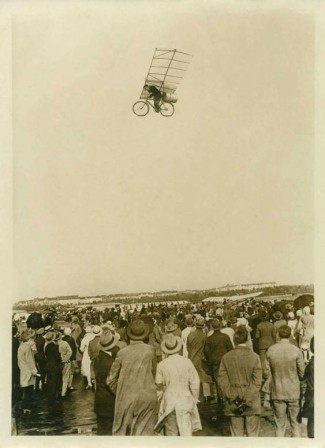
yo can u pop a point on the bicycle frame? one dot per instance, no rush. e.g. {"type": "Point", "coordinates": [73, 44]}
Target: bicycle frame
{"type": "Point", "coordinates": [151, 103]}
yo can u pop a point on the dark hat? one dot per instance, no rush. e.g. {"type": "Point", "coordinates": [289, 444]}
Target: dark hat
{"type": "Point", "coordinates": [137, 331]}
{"type": "Point", "coordinates": [264, 315]}
{"type": "Point", "coordinates": [171, 344]}
{"type": "Point", "coordinates": [170, 327]}
{"type": "Point", "coordinates": [107, 340]}
{"type": "Point", "coordinates": [216, 324]}
{"type": "Point", "coordinates": [278, 315]}
{"type": "Point", "coordinates": [199, 323]}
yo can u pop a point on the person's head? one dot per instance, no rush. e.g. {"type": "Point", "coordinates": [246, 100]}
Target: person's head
{"type": "Point", "coordinates": [189, 321]}
{"type": "Point", "coordinates": [97, 331]}
{"type": "Point", "coordinates": [278, 315]}
{"type": "Point", "coordinates": [264, 315]}
{"type": "Point", "coordinates": [284, 332]}
{"type": "Point", "coordinates": [240, 336]}
{"type": "Point", "coordinates": [50, 336]}
{"type": "Point", "coordinates": [171, 344]}
{"type": "Point", "coordinates": [67, 331]}
{"type": "Point", "coordinates": [137, 331]}
{"type": "Point", "coordinates": [26, 335]}
{"type": "Point", "coordinates": [291, 315]}
{"type": "Point", "coordinates": [199, 322]}
{"type": "Point", "coordinates": [58, 335]}
{"type": "Point", "coordinates": [107, 340]}
{"type": "Point", "coordinates": [216, 325]}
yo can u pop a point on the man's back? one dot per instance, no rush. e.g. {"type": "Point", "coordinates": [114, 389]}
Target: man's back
{"type": "Point", "coordinates": [179, 376]}
{"type": "Point", "coordinates": [216, 346]}
{"type": "Point", "coordinates": [285, 363]}
{"type": "Point", "coordinates": [266, 335]}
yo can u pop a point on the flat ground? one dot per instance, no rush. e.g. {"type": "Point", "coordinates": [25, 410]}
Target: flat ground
{"type": "Point", "coordinates": [74, 415]}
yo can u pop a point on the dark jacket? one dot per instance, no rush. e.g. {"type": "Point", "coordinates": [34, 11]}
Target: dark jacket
{"type": "Point", "coordinates": [308, 409]}
{"type": "Point", "coordinates": [195, 346]}
{"type": "Point", "coordinates": [104, 398]}
{"type": "Point", "coordinates": [72, 343]}
{"type": "Point", "coordinates": [15, 368]}
{"type": "Point", "coordinates": [93, 348]}
{"type": "Point", "coordinates": [265, 334]}
{"type": "Point", "coordinates": [40, 343]}
{"type": "Point", "coordinates": [53, 358]}
{"type": "Point", "coordinates": [216, 345]}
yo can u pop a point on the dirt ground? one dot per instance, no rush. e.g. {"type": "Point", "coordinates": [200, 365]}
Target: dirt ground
{"type": "Point", "coordinates": [74, 415]}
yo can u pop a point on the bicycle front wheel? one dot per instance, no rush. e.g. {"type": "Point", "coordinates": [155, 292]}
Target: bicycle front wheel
{"type": "Point", "coordinates": [140, 108]}
{"type": "Point", "coordinates": [167, 109]}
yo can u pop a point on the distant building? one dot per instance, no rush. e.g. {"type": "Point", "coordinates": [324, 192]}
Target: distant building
{"type": "Point", "coordinates": [249, 286]}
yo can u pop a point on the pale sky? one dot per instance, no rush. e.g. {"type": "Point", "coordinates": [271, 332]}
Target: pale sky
{"type": "Point", "coordinates": [222, 192]}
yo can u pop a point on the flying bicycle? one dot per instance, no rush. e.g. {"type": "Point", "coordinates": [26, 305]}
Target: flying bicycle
{"type": "Point", "coordinates": [166, 70]}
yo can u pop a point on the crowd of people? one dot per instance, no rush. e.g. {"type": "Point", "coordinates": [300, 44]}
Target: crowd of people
{"type": "Point", "coordinates": [149, 367]}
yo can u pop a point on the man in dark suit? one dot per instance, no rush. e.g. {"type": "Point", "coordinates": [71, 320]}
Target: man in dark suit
{"type": "Point", "coordinates": [155, 94]}
{"type": "Point", "coordinates": [265, 335]}
{"type": "Point", "coordinates": [53, 367]}
{"type": "Point", "coordinates": [216, 345]}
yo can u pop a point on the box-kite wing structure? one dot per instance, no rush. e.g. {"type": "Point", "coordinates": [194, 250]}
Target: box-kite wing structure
{"type": "Point", "coordinates": [166, 71]}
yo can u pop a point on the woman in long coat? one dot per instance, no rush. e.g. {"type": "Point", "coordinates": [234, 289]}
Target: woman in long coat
{"type": "Point", "coordinates": [104, 398]}
{"type": "Point", "coordinates": [86, 362]}
{"type": "Point", "coordinates": [131, 379]}
{"type": "Point", "coordinates": [27, 366]}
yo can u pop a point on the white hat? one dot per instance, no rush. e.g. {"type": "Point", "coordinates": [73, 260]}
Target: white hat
{"type": "Point", "coordinates": [97, 330]}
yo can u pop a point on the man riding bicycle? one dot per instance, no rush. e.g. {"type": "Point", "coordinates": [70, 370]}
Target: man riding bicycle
{"type": "Point", "coordinates": [155, 94]}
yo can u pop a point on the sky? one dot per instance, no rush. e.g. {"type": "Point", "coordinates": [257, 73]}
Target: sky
{"type": "Point", "coordinates": [221, 192]}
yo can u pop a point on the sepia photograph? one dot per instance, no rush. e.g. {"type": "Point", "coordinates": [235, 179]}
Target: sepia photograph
{"type": "Point", "coordinates": [163, 220]}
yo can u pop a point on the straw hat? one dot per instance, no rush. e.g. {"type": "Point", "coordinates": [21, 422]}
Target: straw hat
{"type": "Point", "coordinates": [97, 330]}
{"type": "Point", "coordinates": [199, 323]}
{"type": "Point", "coordinates": [50, 336]}
{"type": "Point", "coordinates": [171, 344]}
{"type": "Point", "coordinates": [40, 331]}
{"type": "Point", "coordinates": [107, 341]}
{"type": "Point", "coordinates": [170, 327]}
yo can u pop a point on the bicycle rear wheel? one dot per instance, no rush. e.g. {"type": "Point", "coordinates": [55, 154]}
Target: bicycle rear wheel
{"type": "Point", "coordinates": [140, 108]}
{"type": "Point", "coordinates": [167, 109]}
